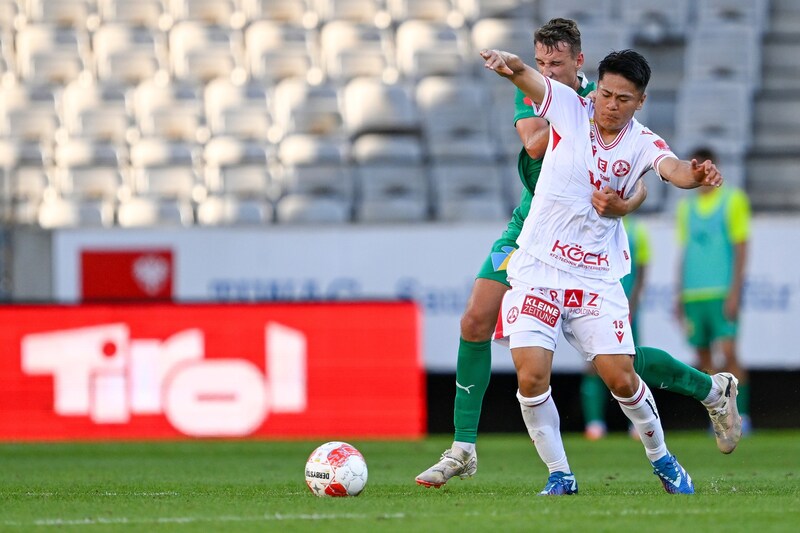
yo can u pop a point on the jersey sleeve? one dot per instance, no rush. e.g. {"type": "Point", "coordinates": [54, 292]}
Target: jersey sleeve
{"type": "Point", "coordinates": [738, 216]}
{"type": "Point", "coordinates": [523, 106]}
{"type": "Point", "coordinates": [562, 106]}
{"type": "Point", "coordinates": [656, 150]}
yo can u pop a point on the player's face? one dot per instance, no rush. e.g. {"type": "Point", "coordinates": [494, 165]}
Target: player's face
{"type": "Point", "coordinates": [616, 101]}
{"type": "Point", "coordinates": [558, 63]}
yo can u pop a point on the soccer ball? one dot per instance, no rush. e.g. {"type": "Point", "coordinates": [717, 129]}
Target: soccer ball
{"type": "Point", "coordinates": [336, 469]}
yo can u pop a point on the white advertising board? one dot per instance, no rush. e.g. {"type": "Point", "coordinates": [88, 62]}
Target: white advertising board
{"type": "Point", "coordinates": [435, 265]}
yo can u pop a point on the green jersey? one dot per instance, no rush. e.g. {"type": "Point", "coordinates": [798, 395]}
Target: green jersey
{"type": "Point", "coordinates": [639, 247]}
{"type": "Point", "coordinates": [709, 226]}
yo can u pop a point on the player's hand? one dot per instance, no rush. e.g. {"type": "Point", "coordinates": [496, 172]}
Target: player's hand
{"type": "Point", "coordinates": [503, 63]}
{"type": "Point", "coordinates": [706, 173]}
{"type": "Point", "coordinates": [608, 203]}
{"type": "Point", "coordinates": [731, 307]}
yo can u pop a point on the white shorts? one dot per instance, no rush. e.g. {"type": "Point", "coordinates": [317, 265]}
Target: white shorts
{"type": "Point", "coordinates": [593, 315]}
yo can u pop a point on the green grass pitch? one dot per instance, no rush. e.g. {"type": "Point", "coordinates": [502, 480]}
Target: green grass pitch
{"type": "Point", "coordinates": [258, 486]}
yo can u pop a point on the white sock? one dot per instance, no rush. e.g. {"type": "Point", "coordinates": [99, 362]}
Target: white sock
{"type": "Point", "coordinates": [714, 394]}
{"type": "Point", "coordinates": [541, 419]}
{"type": "Point", "coordinates": [468, 447]}
{"type": "Point", "coordinates": [642, 412]}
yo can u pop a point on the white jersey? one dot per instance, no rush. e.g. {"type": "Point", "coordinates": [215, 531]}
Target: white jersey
{"type": "Point", "coordinates": [563, 229]}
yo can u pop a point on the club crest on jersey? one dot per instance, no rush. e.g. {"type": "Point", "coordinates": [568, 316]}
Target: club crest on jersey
{"type": "Point", "coordinates": [512, 315]}
{"type": "Point", "coordinates": [541, 310]}
{"type": "Point", "coordinates": [620, 168]}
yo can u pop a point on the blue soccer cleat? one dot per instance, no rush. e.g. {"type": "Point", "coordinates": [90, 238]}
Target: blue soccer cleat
{"type": "Point", "coordinates": [673, 476]}
{"type": "Point", "coordinates": [560, 484]}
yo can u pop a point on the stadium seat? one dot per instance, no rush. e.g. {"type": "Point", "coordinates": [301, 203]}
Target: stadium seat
{"type": "Point", "coordinates": [372, 106]}
{"type": "Point", "coordinates": [201, 53]}
{"type": "Point", "coordinates": [148, 13]}
{"type": "Point", "coordinates": [714, 112]}
{"type": "Point", "coordinates": [729, 52]}
{"type": "Point", "coordinates": [128, 54]}
{"type": "Point", "coordinates": [59, 212]}
{"type": "Point", "coordinates": [509, 10]}
{"type": "Point", "coordinates": [239, 109]}
{"type": "Point", "coordinates": [452, 106]}
{"type": "Point", "coordinates": [24, 167]}
{"type": "Point", "coordinates": [772, 183]}
{"type": "Point", "coordinates": [168, 109]}
{"type": "Point", "coordinates": [654, 21]}
{"type": "Point", "coordinates": [468, 191]}
{"type": "Point", "coordinates": [60, 12]}
{"type": "Point", "coordinates": [236, 167]}
{"type": "Point", "coordinates": [313, 165]}
{"type": "Point", "coordinates": [86, 169]}
{"type": "Point", "coordinates": [282, 11]}
{"type": "Point", "coordinates": [231, 210]}
{"type": "Point", "coordinates": [586, 14]}
{"type": "Point", "coordinates": [432, 10]}
{"type": "Point", "coordinates": [96, 110]}
{"type": "Point", "coordinates": [392, 179]}
{"type": "Point", "coordinates": [351, 49]}
{"type": "Point", "coordinates": [139, 212]}
{"type": "Point", "coordinates": [28, 111]}
{"type": "Point", "coordinates": [430, 48]}
{"type": "Point", "coordinates": [597, 42]}
{"type": "Point", "coordinates": [9, 9]}
{"type": "Point", "coordinates": [753, 13]}
{"type": "Point", "coordinates": [275, 50]}
{"type": "Point", "coordinates": [513, 35]}
{"type": "Point", "coordinates": [501, 120]}
{"type": "Point", "coordinates": [49, 54]}
{"type": "Point", "coordinates": [164, 169]}
{"type": "Point", "coordinates": [364, 11]}
{"type": "Point", "coordinates": [308, 209]}
{"type": "Point", "coordinates": [477, 148]}
{"type": "Point", "coordinates": [300, 107]}
{"type": "Point", "coordinates": [218, 12]}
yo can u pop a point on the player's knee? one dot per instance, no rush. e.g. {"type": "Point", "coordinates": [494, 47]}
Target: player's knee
{"type": "Point", "coordinates": [476, 327]}
{"type": "Point", "coordinates": [622, 385]}
{"type": "Point", "coordinates": [533, 382]}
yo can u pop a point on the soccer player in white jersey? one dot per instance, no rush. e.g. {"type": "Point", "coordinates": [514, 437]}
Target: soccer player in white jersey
{"type": "Point", "coordinates": [566, 272]}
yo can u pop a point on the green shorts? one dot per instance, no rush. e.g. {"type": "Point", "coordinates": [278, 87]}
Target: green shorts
{"type": "Point", "coordinates": [706, 322]}
{"type": "Point", "coordinates": [494, 267]}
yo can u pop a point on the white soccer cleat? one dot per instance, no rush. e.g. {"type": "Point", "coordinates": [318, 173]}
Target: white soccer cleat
{"type": "Point", "coordinates": [454, 462]}
{"type": "Point", "coordinates": [724, 413]}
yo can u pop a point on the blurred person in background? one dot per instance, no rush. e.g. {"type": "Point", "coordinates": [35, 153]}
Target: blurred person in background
{"type": "Point", "coordinates": [713, 229]}
{"type": "Point", "coordinates": [594, 394]}
{"type": "Point", "coordinates": [558, 55]}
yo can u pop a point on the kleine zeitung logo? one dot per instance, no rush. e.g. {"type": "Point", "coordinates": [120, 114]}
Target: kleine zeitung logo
{"type": "Point", "coordinates": [100, 372]}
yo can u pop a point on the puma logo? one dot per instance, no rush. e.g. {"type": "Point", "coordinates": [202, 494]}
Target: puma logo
{"type": "Point", "coordinates": [460, 386]}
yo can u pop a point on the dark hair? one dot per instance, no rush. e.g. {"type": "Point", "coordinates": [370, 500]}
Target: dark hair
{"type": "Point", "coordinates": [629, 64]}
{"type": "Point", "coordinates": [703, 153]}
{"type": "Point", "coordinates": [559, 31]}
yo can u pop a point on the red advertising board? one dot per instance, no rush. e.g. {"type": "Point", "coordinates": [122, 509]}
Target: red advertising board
{"type": "Point", "coordinates": [144, 274]}
{"type": "Point", "coordinates": [306, 370]}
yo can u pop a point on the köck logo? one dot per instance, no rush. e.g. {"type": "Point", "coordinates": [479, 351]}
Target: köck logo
{"type": "Point", "coordinates": [101, 373]}
{"type": "Point", "coordinates": [574, 254]}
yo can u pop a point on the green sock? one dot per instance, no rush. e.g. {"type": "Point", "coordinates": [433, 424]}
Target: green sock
{"type": "Point", "coordinates": [662, 371]}
{"type": "Point", "coordinates": [743, 399]}
{"type": "Point", "coordinates": [594, 396]}
{"type": "Point", "coordinates": [473, 370]}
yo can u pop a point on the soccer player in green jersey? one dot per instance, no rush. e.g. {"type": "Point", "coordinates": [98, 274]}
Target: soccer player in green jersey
{"type": "Point", "coordinates": [713, 230]}
{"type": "Point", "coordinates": [594, 394]}
{"type": "Point", "coordinates": [558, 55]}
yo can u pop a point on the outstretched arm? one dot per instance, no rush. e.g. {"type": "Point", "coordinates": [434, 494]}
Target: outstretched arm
{"type": "Point", "coordinates": [512, 67]}
{"type": "Point", "coordinates": [689, 174]}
